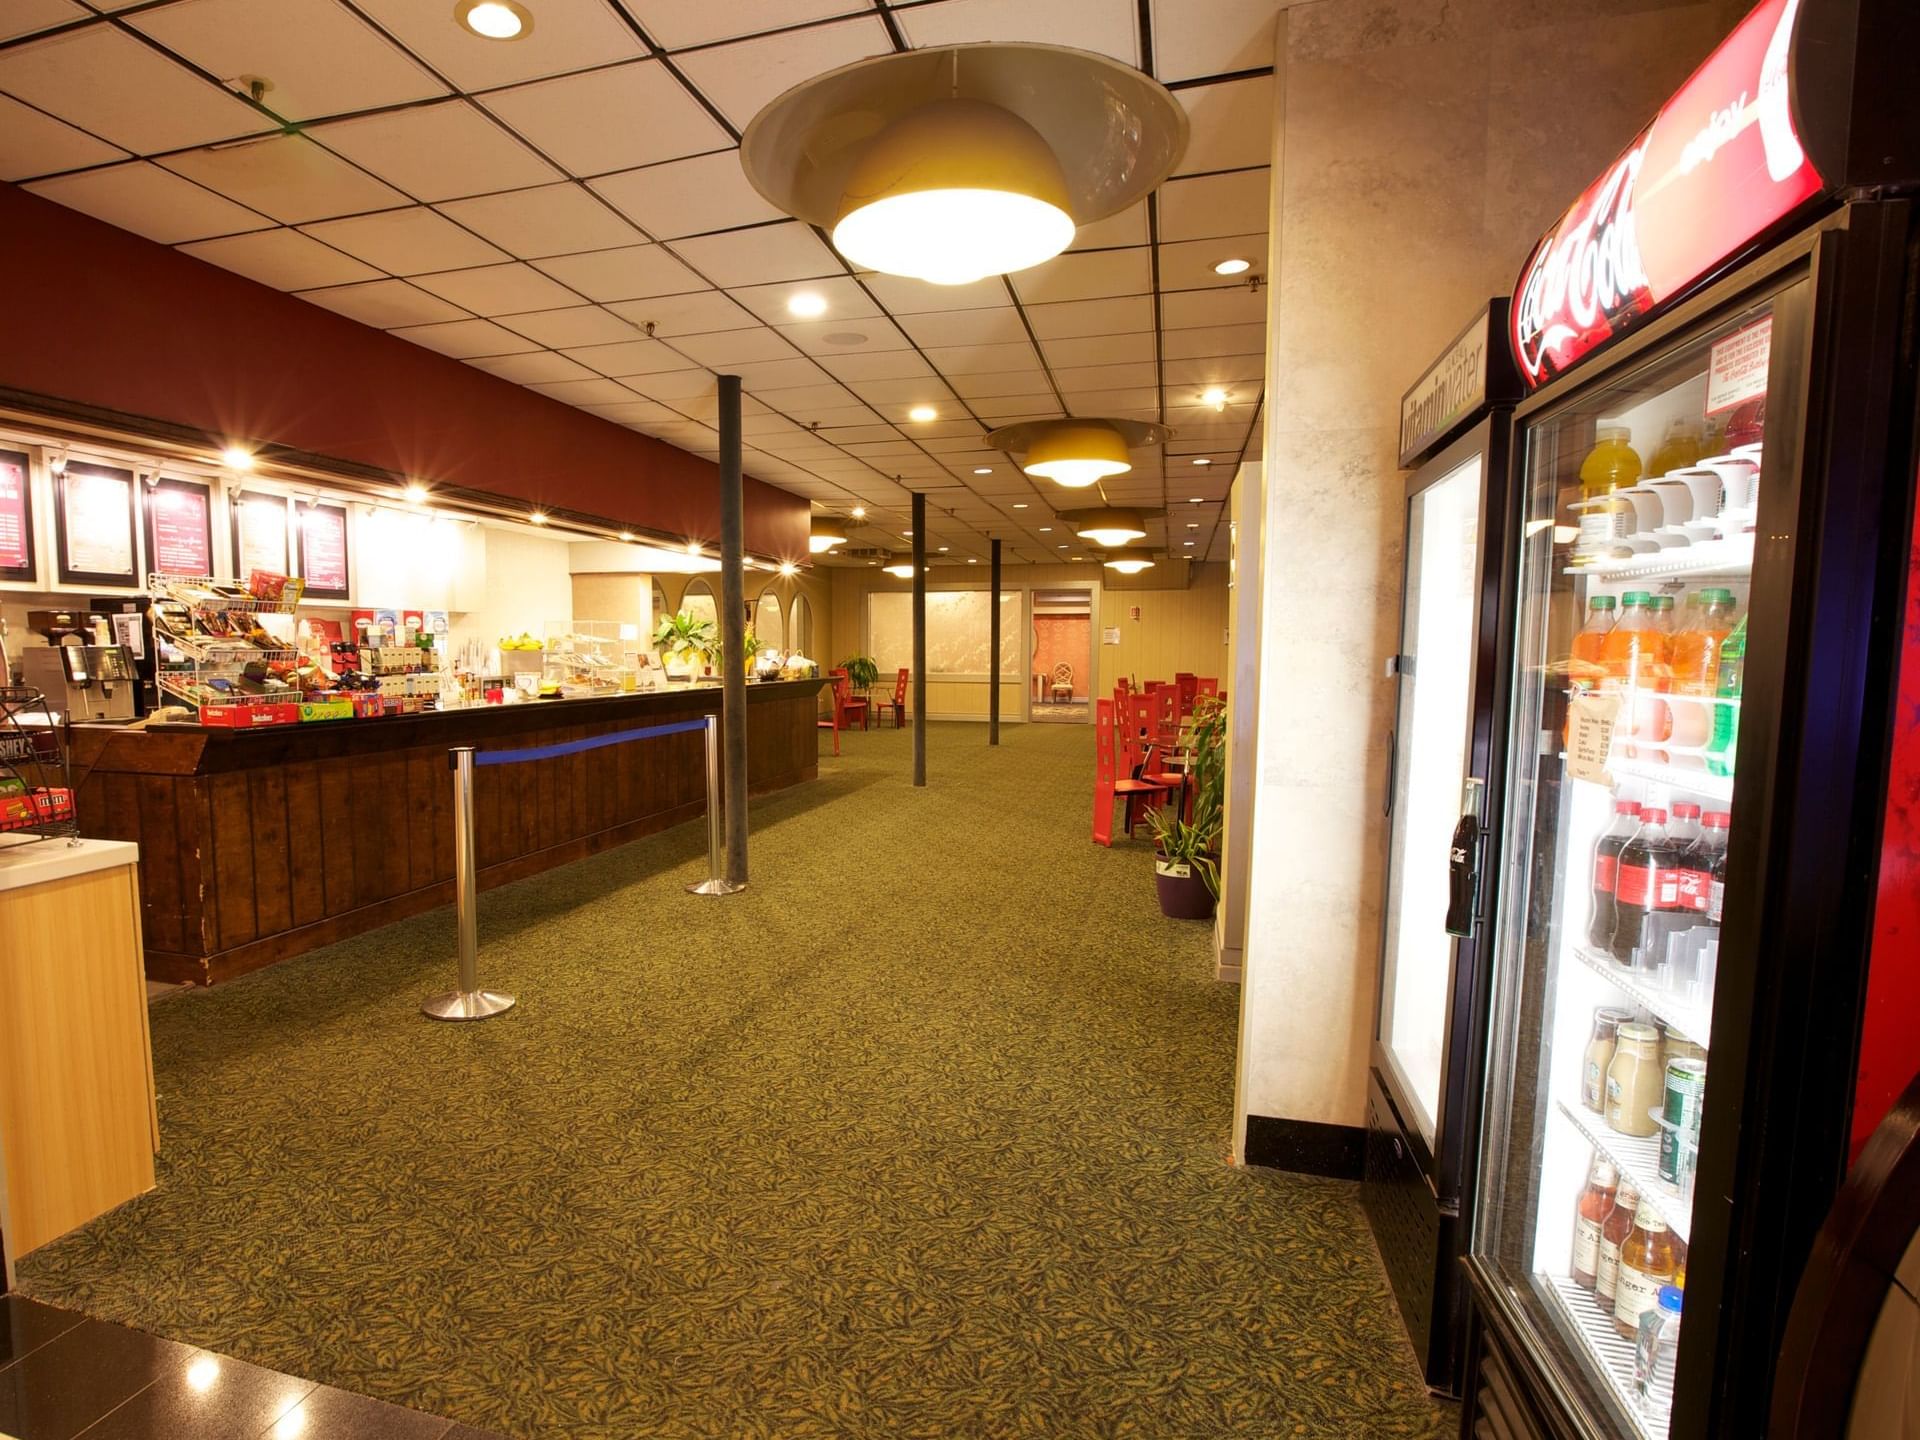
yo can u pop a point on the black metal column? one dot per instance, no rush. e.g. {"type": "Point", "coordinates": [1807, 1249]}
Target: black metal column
{"type": "Point", "coordinates": [919, 639]}
{"type": "Point", "coordinates": [733, 631]}
{"type": "Point", "coordinates": [993, 694]}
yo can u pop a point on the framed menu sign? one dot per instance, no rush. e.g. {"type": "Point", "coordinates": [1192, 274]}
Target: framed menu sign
{"type": "Point", "coordinates": [259, 534]}
{"type": "Point", "coordinates": [16, 517]}
{"type": "Point", "coordinates": [93, 526]}
{"type": "Point", "coordinates": [323, 550]}
{"type": "Point", "coordinates": [180, 527]}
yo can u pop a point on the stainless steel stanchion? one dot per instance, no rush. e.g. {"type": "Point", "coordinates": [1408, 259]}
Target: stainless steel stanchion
{"type": "Point", "coordinates": [469, 1002]}
{"type": "Point", "coordinates": [716, 882]}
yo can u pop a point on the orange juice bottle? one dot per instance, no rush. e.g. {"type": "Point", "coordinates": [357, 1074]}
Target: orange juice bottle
{"type": "Point", "coordinates": [1696, 649]}
{"type": "Point", "coordinates": [1637, 654]}
{"type": "Point", "coordinates": [1587, 666]}
{"type": "Point", "coordinates": [1679, 448]}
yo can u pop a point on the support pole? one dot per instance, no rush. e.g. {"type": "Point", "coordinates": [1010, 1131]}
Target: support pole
{"type": "Point", "coordinates": [993, 694]}
{"type": "Point", "coordinates": [919, 638]}
{"type": "Point", "coordinates": [716, 882]}
{"type": "Point", "coordinates": [469, 1002]}
{"type": "Point", "coordinates": [733, 633]}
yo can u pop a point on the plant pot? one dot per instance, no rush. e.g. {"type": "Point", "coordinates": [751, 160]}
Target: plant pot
{"type": "Point", "coordinates": [1183, 891]}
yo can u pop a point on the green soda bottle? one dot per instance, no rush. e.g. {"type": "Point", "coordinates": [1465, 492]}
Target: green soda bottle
{"type": "Point", "coordinates": [1726, 718]}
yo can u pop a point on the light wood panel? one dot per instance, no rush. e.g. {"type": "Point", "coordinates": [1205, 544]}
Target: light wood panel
{"type": "Point", "coordinates": [77, 1117]}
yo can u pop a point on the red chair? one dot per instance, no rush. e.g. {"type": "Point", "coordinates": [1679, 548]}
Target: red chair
{"type": "Point", "coordinates": [1189, 686]}
{"type": "Point", "coordinates": [1109, 781]}
{"type": "Point", "coordinates": [1207, 685]}
{"type": "Point", "coordinates": [1122, 688]}
{"type": "Point", "coordinates": [898, 704]}
{"type": "Point", "coordinates": [831, 720]}
{"type": "Point", "coordinates": [845, 703]}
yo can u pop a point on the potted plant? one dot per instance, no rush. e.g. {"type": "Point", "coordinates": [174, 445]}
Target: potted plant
{"type": "Point", "coordinates": [863, 672]}
{"type": "Point", "coordinates": [1186, 858]}
{"type": "Point", "coordinates": [750, 649]}
{"type": "Point", "coordinates": [685, 640]}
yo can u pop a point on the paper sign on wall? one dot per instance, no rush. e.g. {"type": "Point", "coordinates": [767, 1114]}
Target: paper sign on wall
{"type": "Point", "coordinates": [1110, 635]}
{"type": "Point", "coordinates": [1590, 724]}
{"type": "Point", "coordinates": [1737, 371]}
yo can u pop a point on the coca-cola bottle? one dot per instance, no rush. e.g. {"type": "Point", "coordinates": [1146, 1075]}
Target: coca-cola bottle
{"type": "Point", "coordinates": [1645, 887]}
{"type": "Point", "coordinates": [1606, 859]}
{"type": "Point", "coordinates": [1683, 826]}
{"type": "Point", "coordinates": [1697, 863]}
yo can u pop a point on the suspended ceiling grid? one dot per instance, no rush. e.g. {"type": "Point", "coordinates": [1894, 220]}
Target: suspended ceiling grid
{"type": "Point", "coordinates": [567, 211]}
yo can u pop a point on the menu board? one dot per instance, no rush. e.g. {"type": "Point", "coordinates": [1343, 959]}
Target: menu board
{"type": "Point", "coordinates": [259, 534]}
{"type": "Point", "coordinates": [16, 517]}
{"type": "Point", "coordinates": [93, 521]}
{"type": "Point", "coordinates": [323, 550]}
{"type": "Point", "coordinates": [180, 528]}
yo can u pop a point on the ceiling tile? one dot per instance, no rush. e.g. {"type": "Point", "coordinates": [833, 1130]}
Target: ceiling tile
{"type": "Point", "coordinates": [437, 152]}
{"type": "Point", "coordinates": [672, 385]}
{"type": "Point", "coordinates": [149, 201]}
{"type": "Point", "coordinates": [23, 17]}
{"type": "Point", "coordinates": [318, 56]}
{"type": "Point", "coordinates": [1086, 276]}
{"type": "Point", "coordinates": [629, 357]}
{"type": "Point", "coordinates": [802, 400]}
{"type": "Point", "coordinates": [35, 144]}
{"type": "Point", "coordinates": [570, 35]}
{"type": "Point", "coordinates": [688, 197]}
{"type": "Point", "coordinates": [535, 368]}
{"type": "Point", "coordinates": [1110, 27]}
{"type": "Point", "coordinates": [779, 374]}
{"type": "Point", "coordinates": [823, 338]}
{"type": "Point", "coordinates": [1001, 325]}
{"type": "Point", "coordinates": [406, 242]}
{"type": "Point", "coordinates": [879, 365]}
{"type": "Point", "coordinates": [1113, 402]}
{"type": "Point", "coordinates": [1232, 125]}
{"type": "Point", "coordinates": [891, 394]}
{"type": "Point", "coordinates": [1129, 227]}
{"type": "Point", "coordinates": [742, 77]}
{"type": "Point", "coordinates": [1189, 265]}
{"type": "Point", "coordinates": [676, 24]}
{"type": "Point", "coordinates": [696, 314]}
{"type": "Point", "coordinates": [464, 339]}
{"type": "Point", "coordinates": [497, 289]}
{"type": "Point", "coordinates": [104, 79]}
{"type": "Point", "coordinates": [573, 325]}
{"type": "Point", "coordinates": [384, 304]}
{"type": "Point", "coordinates": [584, 392]}
{"type": "Point", "coordinates": [613, 119]}
{"type": "Point", "coordinates": [846, 301]}
{"type": "Point", "coordinates": [1213, 340]}
{"type": "Point", "coordinates": [1099, 349]}
{"type": "Point", "coordinates": [1238, 305]}
{"type": "Point", "coordinates": [734, 347]}
{"type": "Point", "coordinates": [288, 177]}
{"type": "Point", "coordinates": [1214, 370]}
{"type": "Point", "coordinates": [1006, 409]}
{"type": "Point", "coordinates": [1091, 317]}
{"type": "Point", "coordinates": [904, 296]}
{"type": "Point", "coordinates": [743, 258]}
{"type": "Point", "coordinates": [1102, 377]}
{"type": "Point", "coordinates": [633, 272]}
{"type": "Point", "coordinates": [637, 413]}
{"type": "Point", "coordinates": [1211, 205]}
{"type": "Point", "coordinates": [1236, 35]}
{"type": "Point", "coordinates": [284, 259]}
{"type": "Point", "coordinates": [989, 384]}
{"type": "Point", "coordinates": [981, 359]}
{"type": "Point", "coordinates": [548, 220]}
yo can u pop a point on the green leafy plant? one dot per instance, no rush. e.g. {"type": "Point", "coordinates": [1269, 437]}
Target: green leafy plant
{"type": "Point", "coordinates": [863, 671]}
{"type": "Point", "coordinates": [686, 634]}
{"type": "Point", "coordinates": [1196, 842]}
{"type": "Point", "coordinates": [750, 645]}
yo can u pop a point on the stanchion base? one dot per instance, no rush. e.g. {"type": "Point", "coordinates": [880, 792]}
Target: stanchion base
{"type": "Point", "coordinates": [716, 886]}
{"type": "Point", "coordinates": [466, 1004]}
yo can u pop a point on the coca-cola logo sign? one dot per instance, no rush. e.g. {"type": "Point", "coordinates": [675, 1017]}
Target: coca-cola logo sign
{"type": "Point", "coordinates": [1719, 165]}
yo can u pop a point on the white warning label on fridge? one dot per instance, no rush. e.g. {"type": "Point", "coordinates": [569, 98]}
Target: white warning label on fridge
{"type": "Point", "coordinates": [1738, 369]}
{"type": "Point", "coordinates": [1590, 721]}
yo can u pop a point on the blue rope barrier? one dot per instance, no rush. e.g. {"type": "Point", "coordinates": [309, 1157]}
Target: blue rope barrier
{"type": "Point", "coordinates": [574, 747]}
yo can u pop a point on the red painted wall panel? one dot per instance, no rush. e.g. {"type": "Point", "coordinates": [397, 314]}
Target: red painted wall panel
{"type": "Point", "coordinates": [98, 315]}
{"type": "Point", "coordinates": [1069, 638]}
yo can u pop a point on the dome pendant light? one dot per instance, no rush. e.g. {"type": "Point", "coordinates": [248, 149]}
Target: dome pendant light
{"type": "Point", "coordinates": [1108, 528]}
{"type": "Point", "coordinates": [1076, 452]}
{"type": "Point", "coordinates": [954, 192]}
{"type": "Point", "coordinates": [1130, 564]}
{"type": "Point", "coordinates": [825, 535]}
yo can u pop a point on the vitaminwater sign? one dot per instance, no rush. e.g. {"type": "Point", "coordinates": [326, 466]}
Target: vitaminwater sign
{"type": "Point", "coordinates": [1721, 163]}
{"type": "Point", "coordinates": [1471, 372]}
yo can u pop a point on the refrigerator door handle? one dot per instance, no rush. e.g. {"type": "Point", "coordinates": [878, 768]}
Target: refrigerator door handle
{"type": "Point", "coordinates": [1393, 758]}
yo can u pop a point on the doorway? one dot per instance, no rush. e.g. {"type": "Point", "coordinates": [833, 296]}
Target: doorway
{"type": "Point", "coordinates": [1060, 670]}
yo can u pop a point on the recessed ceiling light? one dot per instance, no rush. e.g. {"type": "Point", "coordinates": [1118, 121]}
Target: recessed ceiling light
{"type": "Point", "coordinates": [807, 305]}
{"type": "Point", "coordinates": [538, 517]}
{"type": "Point", "coordinates": [1061, 546]}
{"type": "Point", "coordinates": [1186, 542]}
{"type": "Point", "coordinates": [789, 569]}
{"type": "Point", "coordinates": [494, 19]}
{"type": "Point", "coordinates": [1195, 500]}
{"type": "Point", "coordinates": [1203, 460]}
{"type": "Point", "coordinates": [983, 469]}
{"type": "Point", "coordinates": [1193, 524]}
{"type": "Point", "coordinates": [943, 549]}
{"type": "Point", "coordinates": [1076, 557]}
{"type": "Point", "coordinates": [1019, 504]}
{"type": "Point", "coordinates": [859, 512]}
{"type": "Point", "coordinates": [921, 414]}
{"type": "Point", "coordinates": [972, 561]}
{"type": "Point", "coordinates": [1214, 396]}
{"type": "Point", "coordinates": [1046, 529]}
{"type": "Point", "coordinates": [907, 533]}
{"type": "Point", "coordinates": [235, 457]}
{"type": "Point", "coordinates": [416, 493]}
{"type": "Point", "coordinates": [1234, 266]}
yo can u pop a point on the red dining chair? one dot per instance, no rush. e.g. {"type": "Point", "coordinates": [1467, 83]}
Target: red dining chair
{"type": "Point", "coordinates": [1110, 781]}
{"type": "Point", "coordinates": [845, 703]}
{"type": "Point", "coordinates": [1122, 688]}
{"type": "Point", "coordinates": [831, 720]}
{"type": "Point", "coordinates": [1207, 685]}
{"type": "Point", "coordinates": [898, 704]}
{"type": "Point", "coordinates": [1188, 686]}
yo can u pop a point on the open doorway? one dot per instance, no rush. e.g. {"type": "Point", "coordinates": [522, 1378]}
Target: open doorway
{"type": "Point", "coordinates": [1060, 674]}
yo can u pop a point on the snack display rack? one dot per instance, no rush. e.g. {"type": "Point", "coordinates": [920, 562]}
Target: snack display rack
{"type": "Point", "coordinates": [211, 635]}
{"type": "Point", "coordinates": [36, 792]}
{"type": "Point", "coordinates": [588, 657]}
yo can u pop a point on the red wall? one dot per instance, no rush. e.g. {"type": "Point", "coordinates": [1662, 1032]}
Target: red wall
{"type": "Point", "coordinates": [1064, 637]}
{"type": "Point", "coordinates": [98, 315]}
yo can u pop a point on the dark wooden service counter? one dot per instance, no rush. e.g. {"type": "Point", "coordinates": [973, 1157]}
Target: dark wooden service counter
{"type": "Point", "coordinates": [258, 845]}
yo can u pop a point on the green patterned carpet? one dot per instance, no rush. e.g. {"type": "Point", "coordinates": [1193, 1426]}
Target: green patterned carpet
{"type": "Point", "coordinates": [922, 1136]}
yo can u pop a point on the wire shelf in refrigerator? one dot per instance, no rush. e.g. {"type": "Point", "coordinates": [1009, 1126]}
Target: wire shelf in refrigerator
{"type": "Point", "coordinates": [1675, 1012]}
{"type": "Point", "coordinates": [1639, 1160]}
{"type": "Point", "coordinates": [1610, 1352]}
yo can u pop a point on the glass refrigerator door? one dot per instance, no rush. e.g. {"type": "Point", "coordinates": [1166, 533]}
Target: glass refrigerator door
{"type": "Point", "coordinates": [1436, 699]}
{"type": "Point", "coordinates": [1635, 570]}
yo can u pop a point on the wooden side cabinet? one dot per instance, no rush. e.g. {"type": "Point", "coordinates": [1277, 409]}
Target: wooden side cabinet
{"type": "Point", "coordinates": [78, 1124]}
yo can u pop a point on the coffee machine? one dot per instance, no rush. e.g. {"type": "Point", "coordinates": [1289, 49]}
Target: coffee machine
{"type": "Point", "coordinates": [82, 678]}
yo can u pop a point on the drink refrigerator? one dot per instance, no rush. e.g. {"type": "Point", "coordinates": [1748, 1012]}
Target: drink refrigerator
{"type": "Point", "coordinates": [1423, 1080]}
{"type": "Point", "coordinates": [1732, 302]}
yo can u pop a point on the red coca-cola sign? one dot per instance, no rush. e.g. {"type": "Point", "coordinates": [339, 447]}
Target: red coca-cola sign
{"type": "Point", "coordinates": [1721, 163]}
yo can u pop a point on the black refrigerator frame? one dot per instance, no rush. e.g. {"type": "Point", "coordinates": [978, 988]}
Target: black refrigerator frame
{"type": "Point", "coordinates": [1419, 1198]}
{"type": "Point", "coordinates": [1817, 717]}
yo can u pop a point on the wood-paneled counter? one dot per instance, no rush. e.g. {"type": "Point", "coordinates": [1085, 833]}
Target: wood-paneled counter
{"type": "Point", "coordinates": [257, 845]}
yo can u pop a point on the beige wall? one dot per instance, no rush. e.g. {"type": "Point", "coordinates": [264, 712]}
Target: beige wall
{"type": "Point", "coordinates": [812, 583]}
{"type": "Point", "coordinates": [1182, 625]}
{"type": "Point", "coordinates": [1419, 150]}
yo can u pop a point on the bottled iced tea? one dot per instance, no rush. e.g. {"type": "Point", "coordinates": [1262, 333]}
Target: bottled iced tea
{"type": "Point", "coordinates": [1647, 1261]}
{"type": "Point", "coordinates": [1613, 1232]}
{"type": "Point", "coordinates": [1590, 1213]}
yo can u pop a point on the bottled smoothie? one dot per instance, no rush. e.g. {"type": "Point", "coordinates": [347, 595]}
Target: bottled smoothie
{"type": "Point", "coordinates": [1696, 649]}
{"type": "Point", "coordinates": [1678, 449]}
{"type": "Point", "coordinates": [1589, 1214]}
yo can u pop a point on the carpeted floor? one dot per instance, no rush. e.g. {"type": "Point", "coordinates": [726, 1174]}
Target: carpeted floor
{"type": "Point", "coordinates": [924, 1135]}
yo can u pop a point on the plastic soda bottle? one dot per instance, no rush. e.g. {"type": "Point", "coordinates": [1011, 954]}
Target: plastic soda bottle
{"type": "Point", "coordinates": [1587, 666]}
{"type": "Point", "coordinates": [1726, 718]}
{"type": "Point", "coordinates": [1696, 649]}
{"type": "Point", "coordinates": [1679, 448]}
